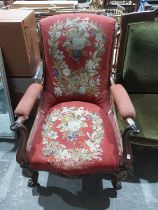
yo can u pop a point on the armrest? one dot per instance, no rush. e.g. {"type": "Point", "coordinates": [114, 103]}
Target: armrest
{"type": "Point", "coordinates": [26, 103]}
{"type": "Point", "coordinates": [123, 102]}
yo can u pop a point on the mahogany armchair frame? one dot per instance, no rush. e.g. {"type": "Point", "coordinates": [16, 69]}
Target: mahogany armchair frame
{"type": "Point", "coordinates": [126, 165]}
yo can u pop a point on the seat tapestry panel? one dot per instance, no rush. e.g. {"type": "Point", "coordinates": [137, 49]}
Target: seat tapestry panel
{"type": "Point", "coordinates": [72, 136]}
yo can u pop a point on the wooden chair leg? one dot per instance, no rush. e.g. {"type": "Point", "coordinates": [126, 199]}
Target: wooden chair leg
{"type": "Point", "coordinates": [118, 177]}
{"type": "Point", "coordinates": [116, 183]}
{"type": "Point", "coordinates": [32, 174]}
{"type": "Point", "coordinates": [33, 181]}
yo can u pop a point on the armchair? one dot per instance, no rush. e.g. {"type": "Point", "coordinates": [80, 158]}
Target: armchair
{"type": "Point", "coordinates": [137, 71]}
{"type": "Point", "coordinates": [75, 131]}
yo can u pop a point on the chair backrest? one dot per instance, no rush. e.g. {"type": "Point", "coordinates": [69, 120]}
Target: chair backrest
{"type": "Point", "coordinates": [78, 51]}
{"type": "Point", "coordinates": [137, 65]}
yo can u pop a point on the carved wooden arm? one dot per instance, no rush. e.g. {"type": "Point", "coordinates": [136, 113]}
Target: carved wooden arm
{"type": "Point", "coordinates": [123, 102]}
{"type": "Point", "coordinates": [27, 102]}
{"type": "Point", "coordinates": [127, 112]}
{"type": "Point", "coordinates": [22, 111]}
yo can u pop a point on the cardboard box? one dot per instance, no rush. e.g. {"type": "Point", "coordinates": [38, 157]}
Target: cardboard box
{"type": "Point", "coordinates": [19, 42]}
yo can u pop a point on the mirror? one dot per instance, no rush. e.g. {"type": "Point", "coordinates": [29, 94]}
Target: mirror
{"type": "Point", "coordinates": [6, 113]}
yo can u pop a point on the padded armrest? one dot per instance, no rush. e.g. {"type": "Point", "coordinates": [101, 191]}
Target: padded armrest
{"type": "Point", "coordinates": [26, 103]}
{"type": "Point", "coordinates": [122, 101]}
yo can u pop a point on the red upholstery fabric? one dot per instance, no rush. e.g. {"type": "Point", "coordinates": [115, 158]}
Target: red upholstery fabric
{"type": "Point", "coordinates": [74, 138]}
{"type": "Point", "coordinates": [27, 102]}
{"type": "Point", "coordinates": [73, 134]}
{"type": "Point", "coordinates": [123, 101]}
{"type": "Point", "coordinates": [77, 49]}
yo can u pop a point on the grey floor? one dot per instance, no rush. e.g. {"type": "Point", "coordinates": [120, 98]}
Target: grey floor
{"type": "Point", "coordinates": [89, 193]}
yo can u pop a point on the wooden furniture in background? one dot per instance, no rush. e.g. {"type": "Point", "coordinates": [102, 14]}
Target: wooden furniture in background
{"type": "Point", "coordinates": [19, 42]}
{"type": "Point", "coordinates": [44, 4]}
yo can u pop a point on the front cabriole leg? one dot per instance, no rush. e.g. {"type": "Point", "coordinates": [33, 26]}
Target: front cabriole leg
{"type": "Point", "coordinates": [21, 155]}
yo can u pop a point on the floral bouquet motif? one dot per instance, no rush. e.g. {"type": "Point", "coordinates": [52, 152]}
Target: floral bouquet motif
{"type": "Point", "coordinates": [68, 128]}
{"type": "Point", "coordinates": [76, 39]}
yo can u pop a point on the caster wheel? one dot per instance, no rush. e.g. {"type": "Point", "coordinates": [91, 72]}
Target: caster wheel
{"type": "Point", "coordinates": [34, 180]}
{"type": "Point", "coordinates": [31, 184]}
{"type": "Point", "coordinates": [116, 185]}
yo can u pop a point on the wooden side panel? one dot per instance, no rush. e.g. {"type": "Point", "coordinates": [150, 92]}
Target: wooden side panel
{"type": "Point", "coordinates": [32, 41]}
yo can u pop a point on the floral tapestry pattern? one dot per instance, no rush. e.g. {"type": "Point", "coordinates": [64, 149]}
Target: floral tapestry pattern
{"type": "Point", "coordinates": [72, 136]}
{"type": "Point", "coordinates": [80, 38]}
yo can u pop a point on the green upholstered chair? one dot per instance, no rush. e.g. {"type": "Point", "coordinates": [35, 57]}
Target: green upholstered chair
{"type": "Point", "coordinates": [137, 70]}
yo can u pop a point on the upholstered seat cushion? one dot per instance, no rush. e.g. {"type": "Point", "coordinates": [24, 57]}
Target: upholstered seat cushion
{"type": "Point", "coordinates": [76, 138]}
{"type": "Point", "coordinates": [146, 106]}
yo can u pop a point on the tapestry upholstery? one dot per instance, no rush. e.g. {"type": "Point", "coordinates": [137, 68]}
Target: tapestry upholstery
{"type": "Point", "coordinates": [140, 71]}
{"type": "Point", "coordinates": [76, 138]}
{"type": "Point", "coordinates": [77, 51]}
{"type": "Point", "coordinates": [75, 132]}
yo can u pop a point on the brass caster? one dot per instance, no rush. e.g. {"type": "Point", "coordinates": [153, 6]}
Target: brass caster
{"type": "Point", "coordinates": [34, 180]}
{"type": "Point", "coordinates": [116, 184]}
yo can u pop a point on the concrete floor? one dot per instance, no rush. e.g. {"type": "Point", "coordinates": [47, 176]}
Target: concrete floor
{"type": "Point", "coordinates": [89, 193]}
